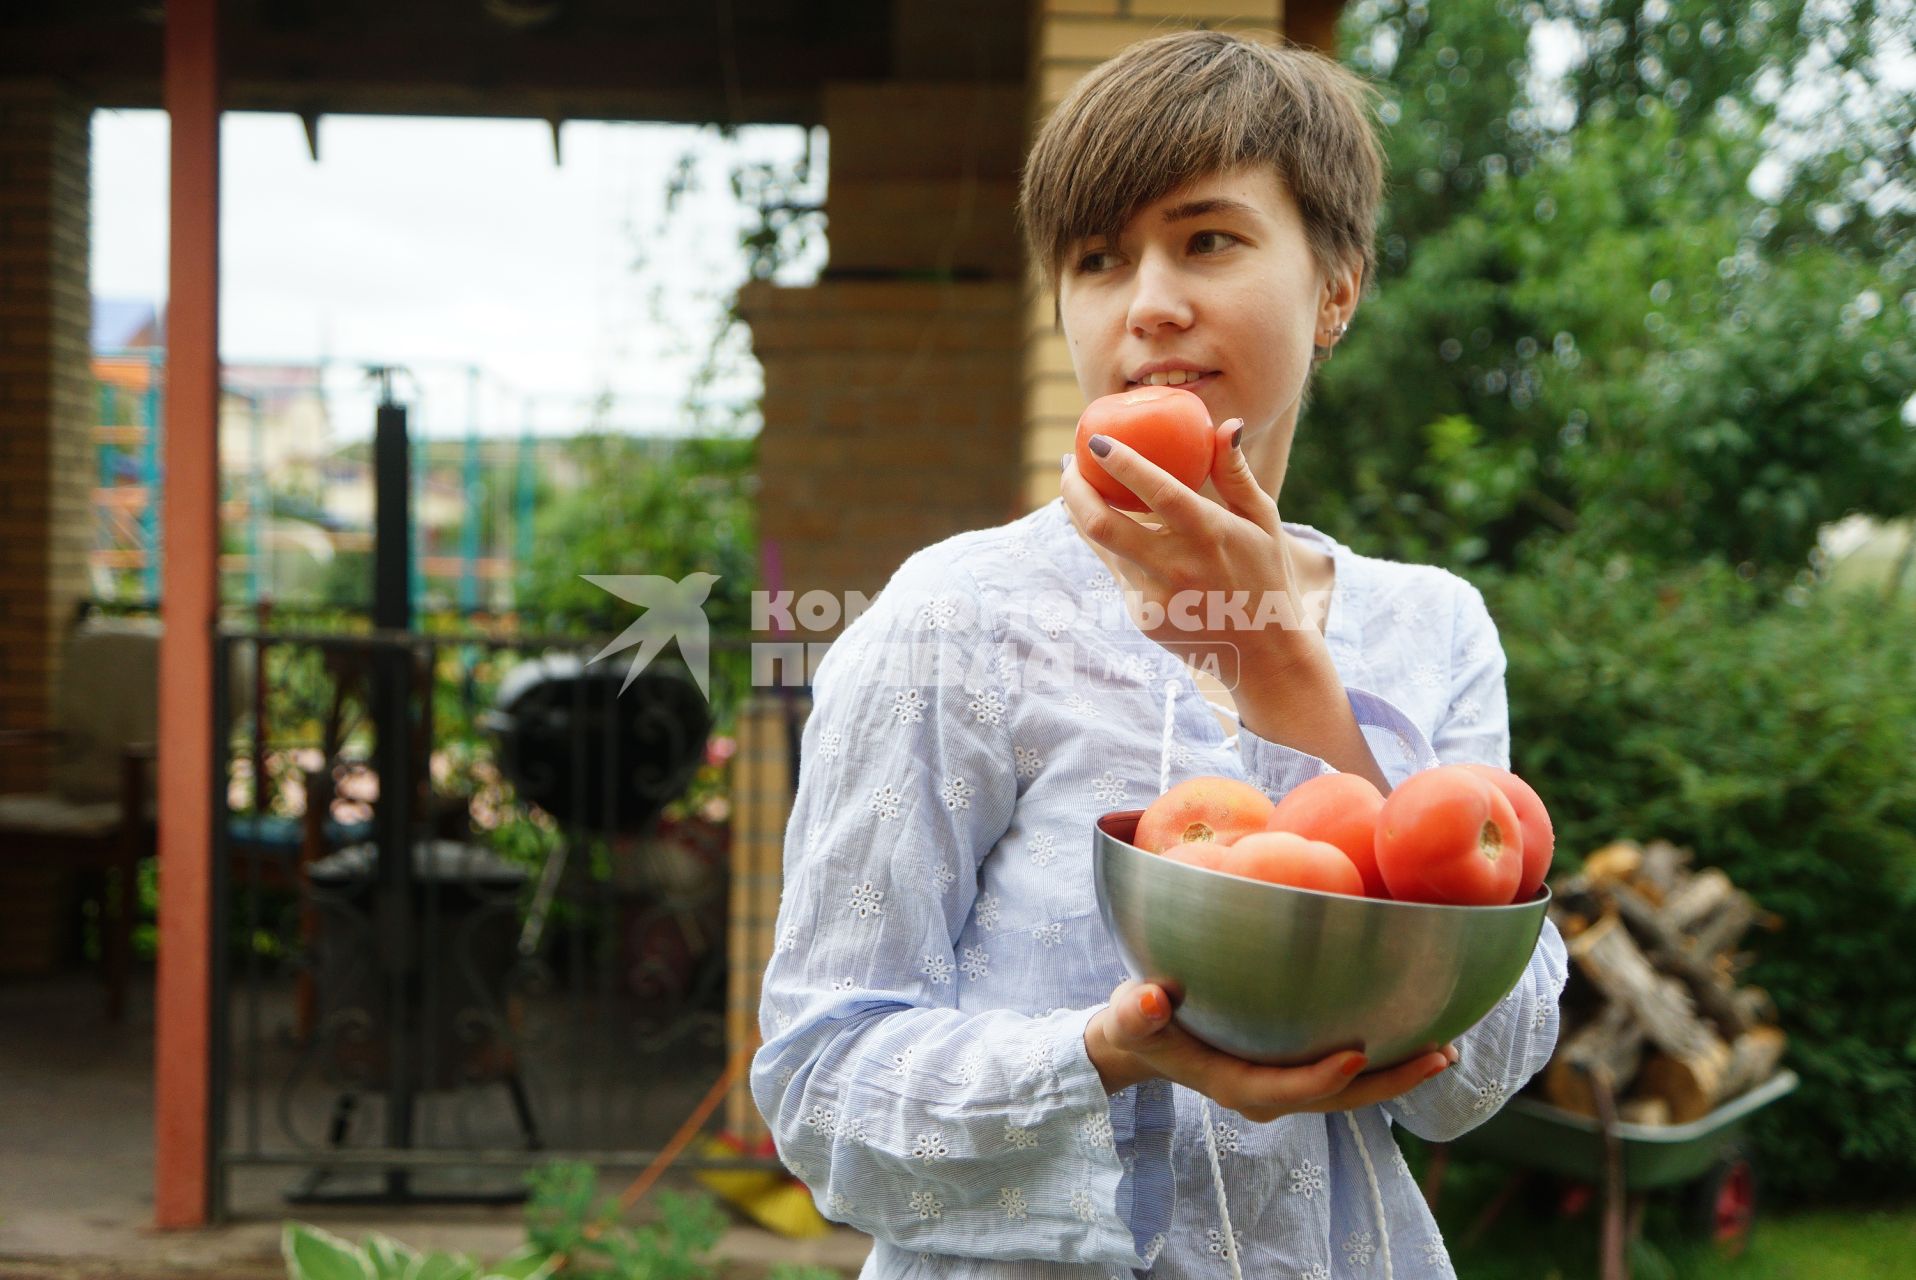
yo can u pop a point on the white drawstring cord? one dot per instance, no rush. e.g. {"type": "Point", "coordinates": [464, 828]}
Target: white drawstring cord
{"type": "Point", "coordinates": [1228, 1243]}
{"type": "Point", "coordinates": [1376, 1194]}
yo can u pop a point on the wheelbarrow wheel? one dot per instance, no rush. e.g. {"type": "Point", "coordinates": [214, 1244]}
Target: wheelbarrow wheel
{"type": "Point", "coordinates": [1723, 1203]}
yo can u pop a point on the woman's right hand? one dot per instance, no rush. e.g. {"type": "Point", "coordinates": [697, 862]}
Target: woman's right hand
{"type": "Point", "coordinates": [1132, 1039]}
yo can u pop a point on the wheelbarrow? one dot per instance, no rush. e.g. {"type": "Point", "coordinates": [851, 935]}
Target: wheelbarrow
{"type": "Point", "coordinates": [1704, 1156]}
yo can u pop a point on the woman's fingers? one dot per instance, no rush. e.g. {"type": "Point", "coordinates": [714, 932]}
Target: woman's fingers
{"type": "Point", "coordinates": [1236, 484]}
{"type": "Point", "coordinates": [1140, 1012]}
{"type": "Point", "coordinates": [1169, 499]}
{"type": "Point", "coordinates": [1100, 522]}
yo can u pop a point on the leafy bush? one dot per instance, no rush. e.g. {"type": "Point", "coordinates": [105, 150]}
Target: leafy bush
{"type": "Point", "coordinates": [572, 1231]}
{"type": "Point", "coordinates": [1774, 741]}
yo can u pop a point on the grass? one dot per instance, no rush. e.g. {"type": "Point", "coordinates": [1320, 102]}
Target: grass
{"type": "Point", "coordinates": [1531, 1240]}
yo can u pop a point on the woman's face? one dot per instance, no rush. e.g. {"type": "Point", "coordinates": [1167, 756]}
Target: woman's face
{"type": "Point", "coordinates": [1215, 280]}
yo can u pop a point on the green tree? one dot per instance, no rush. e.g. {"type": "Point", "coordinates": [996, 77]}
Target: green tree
{"type": "Point", "coordinates": [1589, 323]}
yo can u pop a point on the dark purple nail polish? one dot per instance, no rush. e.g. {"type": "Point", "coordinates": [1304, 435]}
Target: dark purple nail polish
{"type": "Point", "coordinates": [1101, 445]}
{"type": "Point", "coordinates": [1237, 437]}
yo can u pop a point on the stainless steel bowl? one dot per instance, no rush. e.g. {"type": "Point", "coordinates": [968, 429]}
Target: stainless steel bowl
{"type": "Point", "coordinates": [1286, 976]}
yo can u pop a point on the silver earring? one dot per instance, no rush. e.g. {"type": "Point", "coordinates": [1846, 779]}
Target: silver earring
{"type": "Point", "coordinates": [1320, 352]}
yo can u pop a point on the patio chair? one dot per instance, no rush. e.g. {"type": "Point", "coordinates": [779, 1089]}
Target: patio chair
{"type": "Point", "coordinates": [98, 814]}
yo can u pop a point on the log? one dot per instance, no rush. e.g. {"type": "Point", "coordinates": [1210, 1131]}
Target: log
{"type": "Point", "coordinates": [1644, 1111]}
{"type": "Point", "coordinates": [1690, 903]}
{"type": "Point", "coordinates": [1753, 1059]}
{"type": "Point", "coordinates": [1714, 993]}
{"type": "Point", "coordinates": [1723, 929]}
{"type": "Point", "coordinates": [1613, 864]}
{"type": "Point", "coordinates": [1610, 1046]}
{"type": "Point", "coordinates": [1613, 962]}
{"type": "Point", "coordinates": [1664, 867]}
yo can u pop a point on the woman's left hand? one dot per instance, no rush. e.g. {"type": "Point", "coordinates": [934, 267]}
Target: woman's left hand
{"type": "Point", "coordinates": [1213, 576]}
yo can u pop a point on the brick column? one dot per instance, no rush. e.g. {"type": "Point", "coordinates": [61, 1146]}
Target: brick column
{"type": "Point", "coordinates": [1070, 37]}
{"type": "Point", "coordinates": [46, 403]}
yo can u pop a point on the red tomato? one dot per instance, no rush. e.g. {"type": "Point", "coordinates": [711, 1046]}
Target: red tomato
{"type": "Point", "coordinates": [1539, 837]}
{"type": "Point", "coordinates": [1197, 854]}
{"type": "Point", "coordinates": [1168, 425]}
{"type": "Point", "coordinates": [1279, 857]}
{"type": "Point", "coordinates": [1340, 809]}
{"type": "Point", "coordinates": [1200, 809]}
{"type": "Point", "coordinates": [1447, 835]}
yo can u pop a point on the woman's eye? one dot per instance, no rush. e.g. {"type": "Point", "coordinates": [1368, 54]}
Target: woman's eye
{"type": "Point", "coordinates": [1093, 261]}
{"type": "Point", "coordinates": [1223, 238]}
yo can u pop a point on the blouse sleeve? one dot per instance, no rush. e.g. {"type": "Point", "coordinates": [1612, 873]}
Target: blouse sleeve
{"type": "Point", "coordinates": [1516, 1038]}
{"type": "Point", "coordinates": [984, 1134]}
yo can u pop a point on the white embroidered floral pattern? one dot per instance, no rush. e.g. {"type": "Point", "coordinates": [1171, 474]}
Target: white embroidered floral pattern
{"type": "Point", "coordinates": [844, 984]}
{"type": "Point", "coordinates": [1095, 1129]}
{"type": "Point", "coordinates": [1082, 705]}
{"type": "Point", "coordinates": [1109, 788]}
{"type": "Point", "coordinates": [1490, 1096]}
{"type": "Point", "coordinates": [930, 1146]}
{"type": "Point", "coordinates": [1051, 620]}
{"type": "Point", "coordinates": [1307, 1179]}
{"type": "Point", "coordinates": [1012, 1201]}
{"type": "Point", "coordinates": [1044, 847]}
{"type": "Point", "coordinates": [830, 744]}
{"type": "Point", "coordinates": [938, 614]}
{"type": "Point", "coordinates": [970, 1065]}
{"type": "Point", "coordinates": [1541, 1018]}
{"type": "Point", "coordinates": [1049, 934]}
{"type": "Point", "coordinates": [938, 969]}
{"type": "Point", "coordinates": [852, 1128]}
{"type": "Point", "coordinates": [1227, 1136]}
{"type": "Point", "coordinates": [1219, 1248]}
{"type": "Point", "coordinates": [1433, 1251]}
{"type": "Point", "coordinates": [1038, 1056]}
{"type": "Point", "coordinates": [886, 803]}
{"type": "Point", "coordinates": [1359, 1249]}
{"type": "Point", "coordinates": [976, 963]}
{"type": "Point", "coordinates": [1466, 710]}
{"type": "Point", "coordinates": [988, 706]}
{"type": "Point", "coordinates": [800, 1170]}
{"type": "Point", "coordinates": [1020, 1139]}
{"type": "Point", "coordinates": [1427, 675]}
{"type": "Point", "coordinates": [987, 910]}
{"type": "Point", "coordinates": [1082, 1206]}
{"type": "Point", "coordinates": [908, 706]}
{"type": "Point", "coordinates": [1028, 761]}
{"type": "Point", "coordinates": [957, 793]}
{"type": "Point", "coordinates": [1317, 1271]}
{"type": "Point", "coordinates": [788, 938]}
{"type": "Point", "coordinates": [1153, 1247]}
{"type": "Point", "coordinates": [926, 1205]}
{"type": "Point", "coordinates": [942, 878]}
{"type": "Point", "coordinates": [867, 901]}
{"type": "Point", "coordinates": [901, 1062]}
{"type": "Point", "coordinates": [820, 1121]}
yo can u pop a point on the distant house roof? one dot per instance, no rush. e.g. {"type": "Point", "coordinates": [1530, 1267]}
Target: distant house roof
{"type": "Point", "coordinates": [121, 324]}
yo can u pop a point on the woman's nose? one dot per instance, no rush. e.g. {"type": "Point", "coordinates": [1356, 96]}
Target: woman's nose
{"type": "Point", "coordinates": [1160, 296]}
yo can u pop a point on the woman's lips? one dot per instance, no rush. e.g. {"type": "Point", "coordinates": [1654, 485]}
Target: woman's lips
{"type": "Point", "coordinates": [1204, 381]}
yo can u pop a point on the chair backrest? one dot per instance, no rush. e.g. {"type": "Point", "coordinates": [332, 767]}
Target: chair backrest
{"type": "Point", "coordinates": [107, 700]}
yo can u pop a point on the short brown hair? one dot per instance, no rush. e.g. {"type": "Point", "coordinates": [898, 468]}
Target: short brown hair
{"type": "Point", "coordinates": [1175, 108]}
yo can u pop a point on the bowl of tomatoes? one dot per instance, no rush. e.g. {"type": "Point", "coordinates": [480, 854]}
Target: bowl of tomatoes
{"type": "Point", "coordinates": [1403, 924]}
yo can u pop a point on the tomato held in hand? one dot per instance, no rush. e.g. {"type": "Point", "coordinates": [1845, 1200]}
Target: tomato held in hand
{"type": "Point", "coordinates": [1539, 837]}
{"type": "Point", "coordinates": [1279, 857]}
{"type": "Point", "coordinates": [1200, 809]}
{"type": "Point", "coordinates": [1340, 809]}
{"type": "Point", "coordinates": [1448, 835]}
{"type": "Point", "coordinates": [1168, 425]}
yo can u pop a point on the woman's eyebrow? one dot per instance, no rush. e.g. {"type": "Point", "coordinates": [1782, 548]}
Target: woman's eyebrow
{"type": "Point", "coordinates": [1215, 204]}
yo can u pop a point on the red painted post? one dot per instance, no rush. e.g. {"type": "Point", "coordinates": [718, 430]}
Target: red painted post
{"type": "Point", "coordinates": [189, 608]}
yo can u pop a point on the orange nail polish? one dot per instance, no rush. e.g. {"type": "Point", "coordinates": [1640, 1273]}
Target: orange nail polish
{"type": "Point", "coordinates": [1151, 1004]}
{"type": "Point", "coordinates": [1354, 1064]}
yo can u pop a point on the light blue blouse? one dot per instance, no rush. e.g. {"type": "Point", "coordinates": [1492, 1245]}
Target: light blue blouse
{"type": "Point", "coordinates": [939, 948]}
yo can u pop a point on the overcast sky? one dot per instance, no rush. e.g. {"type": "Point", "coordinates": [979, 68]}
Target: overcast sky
{"type": "Point", "coordinates": [445, 245]}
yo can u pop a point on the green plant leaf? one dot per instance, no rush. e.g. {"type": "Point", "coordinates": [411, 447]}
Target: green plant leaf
{"type": "Point", "coordinates": [390, 1259]}
{"type": "Point", "coordinates": [527, 1263]}
{"type": "Point", "coordinates": [315, 1254]}
{"type": "Point", "coordinates": [444, 1266]}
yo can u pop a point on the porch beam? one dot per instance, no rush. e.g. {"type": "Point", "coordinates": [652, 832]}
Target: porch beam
{"type": "Point", "coordinates": [183, 1129]}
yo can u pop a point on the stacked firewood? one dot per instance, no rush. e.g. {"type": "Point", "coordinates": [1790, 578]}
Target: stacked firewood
{"type": "Point", "coordinates": [1653, 1008]}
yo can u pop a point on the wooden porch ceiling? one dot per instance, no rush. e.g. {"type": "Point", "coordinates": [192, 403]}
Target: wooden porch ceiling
{"type": "Point", "coordinates": [721, 61]}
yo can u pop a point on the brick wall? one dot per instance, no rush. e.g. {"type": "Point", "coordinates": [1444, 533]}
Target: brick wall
{"type": "Point", "coordinates": [46, 401]}
{"type": "Point", "coordinates": [1069, 38]}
